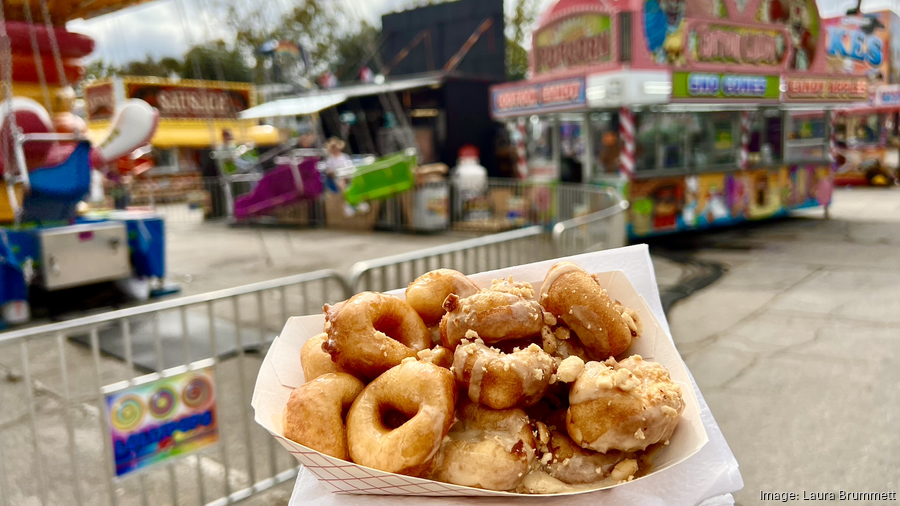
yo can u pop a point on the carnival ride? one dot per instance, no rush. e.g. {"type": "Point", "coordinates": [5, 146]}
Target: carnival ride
{"type": "Point", "coordinates": [46, 163]}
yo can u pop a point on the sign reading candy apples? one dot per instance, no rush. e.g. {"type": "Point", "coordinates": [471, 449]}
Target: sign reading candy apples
{"type": "Point", "coordinates": [158, 421]}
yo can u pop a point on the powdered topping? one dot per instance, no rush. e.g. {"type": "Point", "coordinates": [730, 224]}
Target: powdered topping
{"type": "Point", "coordinates": [520, 289]}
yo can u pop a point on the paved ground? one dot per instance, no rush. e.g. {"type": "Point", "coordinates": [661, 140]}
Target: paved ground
{"type": "Point", "coordinates": [794, 348]}
{"type": "Point", "coordinates": [205, 257]}
{"type": "Point", "coordinates": [797, 346]}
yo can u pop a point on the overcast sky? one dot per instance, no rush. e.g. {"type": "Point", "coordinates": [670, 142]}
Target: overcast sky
{"type": "Point", "coordinates": [156, 28]}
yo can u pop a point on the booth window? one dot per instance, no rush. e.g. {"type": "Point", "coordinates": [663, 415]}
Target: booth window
{"type": "Point", "coordinates": [714, 139]}
{"type": "Point", "coordinates": [661, 141]}
{"type": "Point", "coordinates": [605, 142]}
{"type": "Point", "coordinates": [571, 147]}
{"type": "Point", "coordinates": [166, 161]}
{"type": "Point", "coordinates": [765, 139]}
{"type": "Point", "coordinates": [805, 137]}
{"type": "Point", "coordinates": [539, 145]}
{"type": "Point", "coordinates": [861, 130]}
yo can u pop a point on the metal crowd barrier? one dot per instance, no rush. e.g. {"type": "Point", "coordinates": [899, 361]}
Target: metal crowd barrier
{"type": "Point", "coordinates": [473, 255]}
{"type": "Point", "coordinates": [53, 378]}
{"type": "Point", "coordinates": [55, 445]}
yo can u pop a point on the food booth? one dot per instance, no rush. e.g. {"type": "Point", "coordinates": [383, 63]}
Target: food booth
{"type": "Point", "coordinates": [704, 112]}
{"type": "Point", "coordinates": [193, 115]}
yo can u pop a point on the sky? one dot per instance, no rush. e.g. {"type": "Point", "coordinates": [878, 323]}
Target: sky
{"type": "Point", "coordinates": [157, 29]}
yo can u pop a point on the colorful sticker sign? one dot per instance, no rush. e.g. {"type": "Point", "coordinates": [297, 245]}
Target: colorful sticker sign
{"type": "Point", "coordinates": [549, 96]}
{"type": "Point", "coordinates": [576, 41]}
{"type": "Point", "coordinates": [887, 95]}
{"type": "Point", "coordinates": [704, 85]}
{"type": "Point", "coordinates": [858, 45]}
{"type": "Point", "coordinates": [822, 88]}
{"type": "Point", "coordinates": [161, 420]}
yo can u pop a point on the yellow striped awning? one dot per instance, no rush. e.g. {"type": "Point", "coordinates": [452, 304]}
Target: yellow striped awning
{"type": "Point", "coordinates": [201, 134]}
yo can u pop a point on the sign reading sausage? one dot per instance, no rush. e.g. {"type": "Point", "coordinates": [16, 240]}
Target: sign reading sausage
{"type": "Point", "coordinates": [191, 102]}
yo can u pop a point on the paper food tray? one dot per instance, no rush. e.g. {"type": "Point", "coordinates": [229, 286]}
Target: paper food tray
{"type": "Point", "coordinates": [280, 373]}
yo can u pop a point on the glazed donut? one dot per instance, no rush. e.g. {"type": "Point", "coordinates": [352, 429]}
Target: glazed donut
{"type": "Point", "coordinates": [398, 422]}
{"type": "Point", "coordinates": [372, 332]}
{"type": "Point", "coordinates": [573, 296]}
{"type": "Point", "coordinates": [314, 360]}
{"type": "Point", "coordinates": [486, 448]}
{"type": "Point", "coordinates": [569, 463]}
{"type": "Point", "coordinates": [314, 413]}
{"type": "Point", "coordinates": [502, 312]}
{"type": "Point", "coordinates": [427, 293]}
{"type": "Point", "coordinates": [624, 406]}
{"type": "Point", "coordinates": [499, 380]}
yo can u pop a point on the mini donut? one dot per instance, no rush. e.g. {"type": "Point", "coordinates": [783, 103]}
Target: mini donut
{"type": "Point", "coordinates": [500, 380]}
{"type": "Point", "coordinates": [624, 406]}
{"type": "Point", "coordinates": [427, 293]}
{"type": "Point", "coordinates": [502, 312]}
{"type": "Point", "coordinates": [314, 414]}
{"type": "Point", "coordinates": [569, 463]}
{"type": "Point", "coordinates": [314, 360]}
{"type": "Point", "coordinates": [397, 423]}
{"type": "Point", "coordinates": [574, 297]}
{"type": "Point", "coordinates": [372, 332]}
{"type": "Point", "coordinates": [486, 448]}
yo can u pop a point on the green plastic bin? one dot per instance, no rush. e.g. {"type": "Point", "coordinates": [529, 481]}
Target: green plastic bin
{"type": "Point", "coordinates": [389, 175]}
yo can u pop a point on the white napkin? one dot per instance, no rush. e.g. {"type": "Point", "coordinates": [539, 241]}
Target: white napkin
{"type": "Point", "coordinates": [709, 477]}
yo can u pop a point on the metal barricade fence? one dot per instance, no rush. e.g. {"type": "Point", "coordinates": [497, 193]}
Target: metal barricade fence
{"type": "Point", "coordinates": [603, 229]}
{"type": "Point", "coordinates": [474, 255]}
{"type": "Point", "coordinates": [55, 445]}
{"type": "Point", "coordinates": [54, 378]}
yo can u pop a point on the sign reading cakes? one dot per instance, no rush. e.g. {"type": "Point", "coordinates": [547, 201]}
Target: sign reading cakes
{"type": "Point", "coordinates": [728, 44]}
{"type": "Point", "coordinates": [176, 101]}
{"type": "Point", "coordinates": [576, 41]}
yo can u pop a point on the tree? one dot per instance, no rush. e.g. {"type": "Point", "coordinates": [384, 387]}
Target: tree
{"type": "Point", "coordinates": [216, 62]}
{"type": "Point", "coordinates": [313, 24]}
{"type": "Point", "coordinates": [98, 69]}
{"type": "Point", "coordinates": [518, 27]}
{"type": "Point", "coordinates": [354, 51]}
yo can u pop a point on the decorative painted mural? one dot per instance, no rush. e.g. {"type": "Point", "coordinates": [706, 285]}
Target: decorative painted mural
{"type": "Point", "coordinates": [700, 201]}
{"type": "Point", "coordinates": [763, 34]}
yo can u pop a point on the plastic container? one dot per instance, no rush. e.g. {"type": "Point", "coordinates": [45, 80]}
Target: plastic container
{"type": "Point", "coordinates": [389, 175]}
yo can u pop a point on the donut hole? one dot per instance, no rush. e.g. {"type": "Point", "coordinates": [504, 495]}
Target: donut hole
{"type": "Point", "coordinates": [389, 324]}
{"type": "Point", "coordinates": [392, 417]}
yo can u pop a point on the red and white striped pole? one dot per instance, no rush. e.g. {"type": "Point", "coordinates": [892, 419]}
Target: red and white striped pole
{"type": "Point", "coordinates": [832, 141]}
{"type": "Point", "coordinates": [626, 132]}
{"type": "Point", "coordinates": [746, 124]}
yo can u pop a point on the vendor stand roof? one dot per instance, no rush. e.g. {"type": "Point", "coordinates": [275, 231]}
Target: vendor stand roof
{"type": "Point", "coordinates": [67, 10]}
{"type": "Point", "coordinates": [593, 54]}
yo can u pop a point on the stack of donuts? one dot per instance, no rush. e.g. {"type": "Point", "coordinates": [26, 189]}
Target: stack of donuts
{"type": "Point", "coordinates": [500, 387]}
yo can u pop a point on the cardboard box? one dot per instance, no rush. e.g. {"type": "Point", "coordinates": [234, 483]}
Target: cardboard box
{"type": "Point", "coordinates": [280, 373]}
